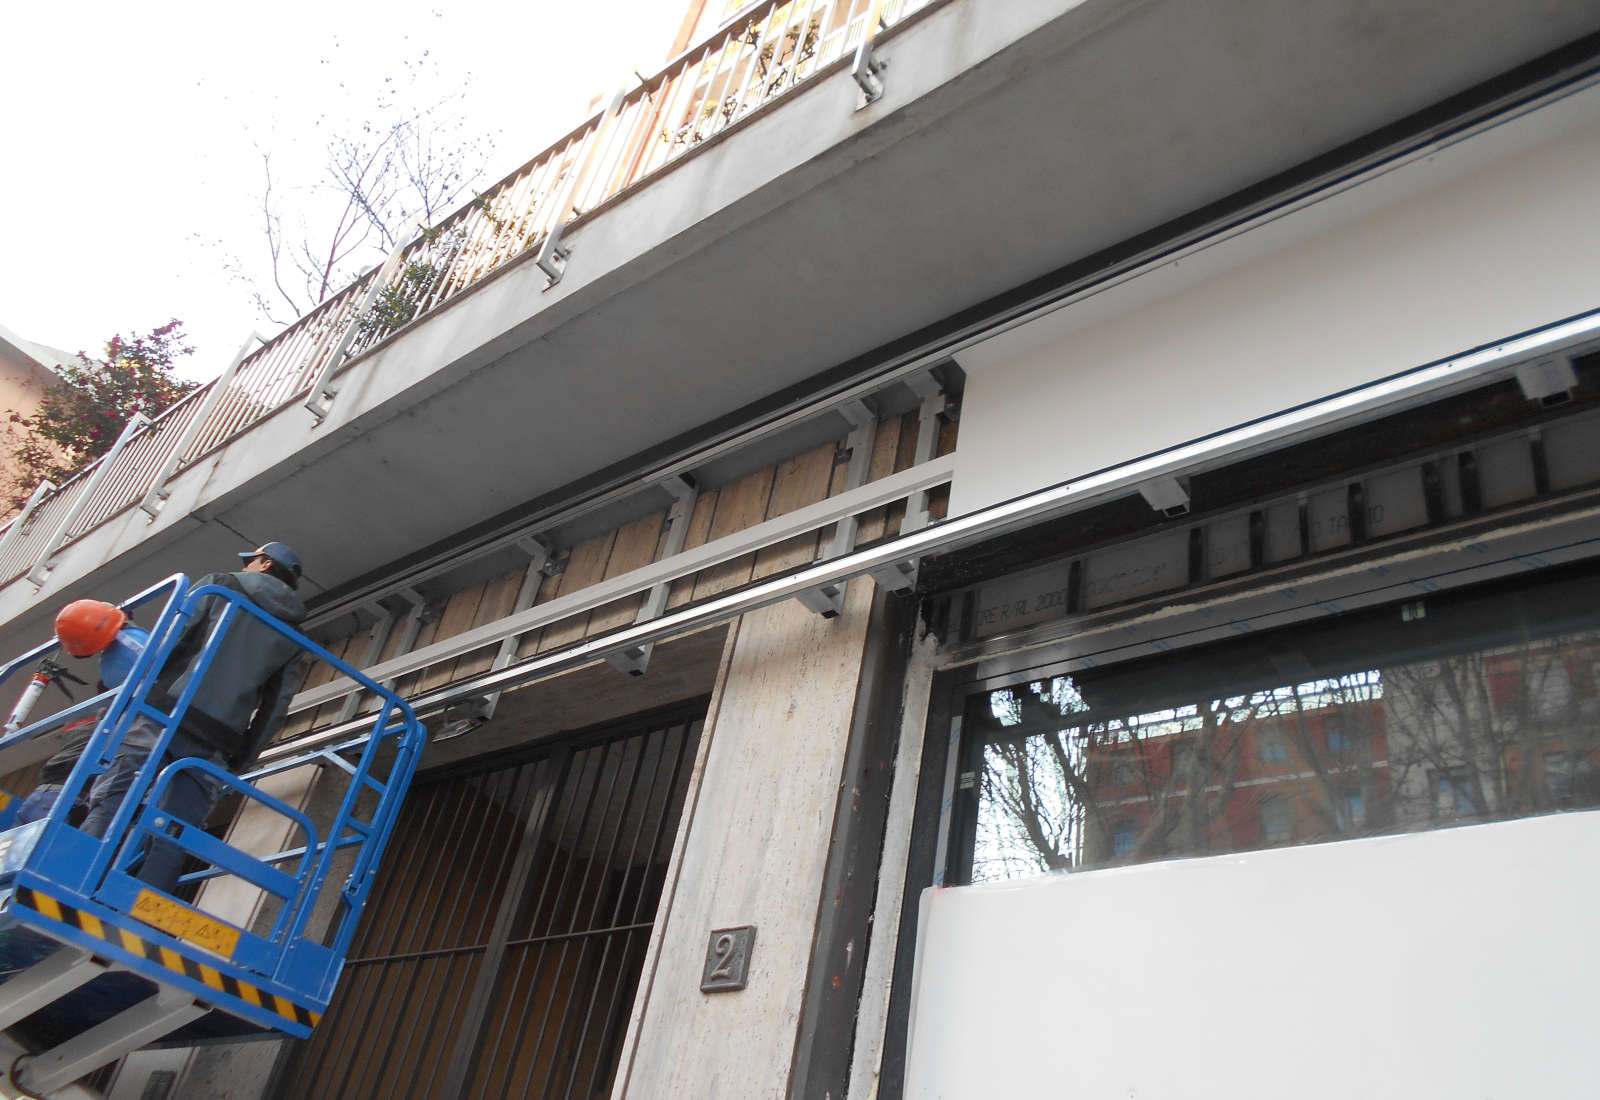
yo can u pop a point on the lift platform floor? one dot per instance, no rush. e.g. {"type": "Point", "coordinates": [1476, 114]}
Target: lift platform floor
{"type": "Point", "coordinates": [100, 999]}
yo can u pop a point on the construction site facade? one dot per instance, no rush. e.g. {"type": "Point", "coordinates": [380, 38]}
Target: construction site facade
{"type": "Point", "coordinates": [950, 548]}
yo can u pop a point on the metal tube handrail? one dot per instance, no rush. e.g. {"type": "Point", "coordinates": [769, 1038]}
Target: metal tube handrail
{"type": "Point", "coordinates": [41, 568]}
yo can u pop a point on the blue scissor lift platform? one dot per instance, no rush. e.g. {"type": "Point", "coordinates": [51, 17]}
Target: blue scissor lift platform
{"type": "Point", "coordinates": [95, 962]}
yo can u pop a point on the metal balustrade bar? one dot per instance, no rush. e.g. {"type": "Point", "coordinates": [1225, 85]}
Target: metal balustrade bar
{"type": "Point", "coordinates": [742, 68]}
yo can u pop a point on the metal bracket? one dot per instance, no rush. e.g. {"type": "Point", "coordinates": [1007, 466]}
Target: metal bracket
{"type": "Point", "coordinates": [541, 564]}
{"type": "Point", "coordinates": [1167, 495]}
{"type": "Point", "coordinates": [636, 659]}
{"type": "Point", "coordinates": [325, 388]}
{"type": "Point", "coordinates": [553, 254]}
{"type": "Point", "coordinates": [1547, 381]}
{"type": "Point", "coordinates": [828, 600]}
{"type": "Point", "coordinates": [867, 70]}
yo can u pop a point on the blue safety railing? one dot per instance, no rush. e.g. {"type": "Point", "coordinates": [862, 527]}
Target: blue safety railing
{"type": "Point", "coordinates": [60, 882]}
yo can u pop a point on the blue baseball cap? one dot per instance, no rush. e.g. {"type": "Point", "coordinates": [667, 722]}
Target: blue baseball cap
{"type": "Point", "coordinates": [279, 553]}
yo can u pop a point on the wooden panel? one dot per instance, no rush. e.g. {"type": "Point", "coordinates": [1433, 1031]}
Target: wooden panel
{"type": "Point", "coordinates": [802, 480]}
{"type": "Point", "coordinates": [884, 449]}
{"type": "Point", "coordinates": [939, 499]}
{"type": "Point", "coordinates": [705, 506]}
{"type": "Point", "coordinates": [350, 650]}
{"type": "Point", "coordinates": [549, 589]}
{"type": "Point", "coordinates": [905, 457]}
{"type": "Point", "coordinates": [459, 611]}
{"type": "Point", "coordinates": [635, 548]}
{"type": "Point", "coordinates": [499, 600]}
{"type": "Point", "coordinates": [740, 505]}
{"type": "Point", "coordinates": [585, 566]}
{"type": "Point", "coordinates": [406, 686]}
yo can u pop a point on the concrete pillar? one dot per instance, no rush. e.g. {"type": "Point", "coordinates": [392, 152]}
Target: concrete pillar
{"type": "Point", "coordinates": [752, 849]}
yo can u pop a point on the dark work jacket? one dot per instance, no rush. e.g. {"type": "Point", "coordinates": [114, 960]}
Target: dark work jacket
{"type": "Point", "coordinates": [246, 691]}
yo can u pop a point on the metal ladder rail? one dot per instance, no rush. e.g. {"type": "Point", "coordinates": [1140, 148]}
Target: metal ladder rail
{"type": "Point", "coordinates": [394, 720]}
{"type": "Point", "coordinates": [410, 738]}
{"type": "Point", "coordinates": [171, 1007]}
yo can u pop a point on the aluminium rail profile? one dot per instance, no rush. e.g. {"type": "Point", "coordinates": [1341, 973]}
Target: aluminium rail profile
{"type": "Point", "coordinates": [1431, 381]}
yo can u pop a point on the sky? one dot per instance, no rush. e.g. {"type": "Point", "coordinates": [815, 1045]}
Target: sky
{"type": "Point", "coordinates": [133, 135]}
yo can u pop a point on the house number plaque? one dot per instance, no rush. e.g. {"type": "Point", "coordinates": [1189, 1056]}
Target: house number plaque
{"type": "Point", "coordinates": [728, 959]}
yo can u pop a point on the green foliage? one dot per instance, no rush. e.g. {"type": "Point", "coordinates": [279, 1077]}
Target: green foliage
{"type": "Point", "coordinates": [82, 414]}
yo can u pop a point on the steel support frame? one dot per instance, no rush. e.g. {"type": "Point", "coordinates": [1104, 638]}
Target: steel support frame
{"type": "Point", "coordinates": [828, 600]}
{"type": "Point", "coordinates": [1428, 382]}
{"type": "Point", "coordinates": [801, 521]}
{"type": "Point", "coordinates": [159, 1014]}
{"type": "Point", "coordinates": [901, 575]}
{"type": "Point", "coordinates": [540, 553]}
{"type": "Point", "coordinates": [636, 660]}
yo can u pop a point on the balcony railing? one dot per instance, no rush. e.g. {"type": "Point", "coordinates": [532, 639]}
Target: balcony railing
{"type": "Point", "coordinates": [743, 68]}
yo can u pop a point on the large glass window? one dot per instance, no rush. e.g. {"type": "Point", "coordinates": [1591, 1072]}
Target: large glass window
{"type": "Point", "coordinates": [1469, 707]}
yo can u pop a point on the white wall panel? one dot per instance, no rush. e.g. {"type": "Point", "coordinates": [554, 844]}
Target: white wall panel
{"type": "Point", "coordinates": [1390, 275]}
{"type": "Point", "coordinates": [1452, 964]}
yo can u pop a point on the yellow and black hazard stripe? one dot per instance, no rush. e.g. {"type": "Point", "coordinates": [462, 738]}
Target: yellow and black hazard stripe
{"type": "Point", "coordinates": [210, 976]}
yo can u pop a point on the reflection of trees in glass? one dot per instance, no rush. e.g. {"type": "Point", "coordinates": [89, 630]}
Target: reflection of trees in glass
{"type": "Point", "coordinates": [1498, 734]}
{"type": "Point", "coordinates": [1494, 733]}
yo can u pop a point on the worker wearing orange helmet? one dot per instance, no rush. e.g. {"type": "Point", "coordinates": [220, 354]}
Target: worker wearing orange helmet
{"type": "Point", "coordinates": [235, 709]}
{"type": "Point", "coordinates": [85, 628]}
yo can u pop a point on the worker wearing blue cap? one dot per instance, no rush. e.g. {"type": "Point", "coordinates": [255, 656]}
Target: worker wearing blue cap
{"type": "Point", "coordinates": [237, 707]}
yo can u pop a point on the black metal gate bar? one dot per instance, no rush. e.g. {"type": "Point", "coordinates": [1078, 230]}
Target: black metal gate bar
{"type": "Point", "coordinates": [384, 924]}
{"type": "Point", "coordinates": [436, 971]}
{"type": "Point", "coordinates": [500, 961]}
{"type": "Point", "coordinates": [566, 944]}
{"type": "Point", "coordinates": [596, 759]}
{"type": "Point", "coordinates": [607, 933]}
{"type": "Point", "coordinates": [523, 786]}
{"type": "Point", "coordinates": [615, 1016]}
{"type": "Point", "coordinates": [472, 1019]}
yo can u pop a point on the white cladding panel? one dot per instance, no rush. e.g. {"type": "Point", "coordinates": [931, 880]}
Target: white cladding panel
{"type": "Point", "coordinates": [1458, 963]}
{"type": "Point", "coordinates": [1390, 275]}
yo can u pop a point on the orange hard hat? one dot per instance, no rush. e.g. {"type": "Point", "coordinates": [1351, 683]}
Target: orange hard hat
{"type": "Point", "coordinates": [86, 627]}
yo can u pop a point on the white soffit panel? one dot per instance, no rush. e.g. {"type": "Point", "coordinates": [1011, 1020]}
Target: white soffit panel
{"type": "Point", "coordinates": [1384, 187]}
{"type": "Point", "coordinates": [1488, 237]}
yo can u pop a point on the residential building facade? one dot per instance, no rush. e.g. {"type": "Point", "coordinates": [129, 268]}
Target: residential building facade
{"type": "Point", "coordinates": [1035, 548]}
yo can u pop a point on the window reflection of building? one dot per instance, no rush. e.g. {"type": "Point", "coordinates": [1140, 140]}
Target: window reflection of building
{"type": "Point", "coordinates": [1089, 768]}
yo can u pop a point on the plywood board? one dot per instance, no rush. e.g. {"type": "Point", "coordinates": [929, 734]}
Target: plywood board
{"type": "Point", "coordinates": [705, 506]}
{"type": "Point", "coordinates": [457, 616]}
{"type": "Point", "coordinates": [585, 566]}
{"type": "Point", "coordinates": [406, 685]}
{"type": "Point", "coordinates": [740, 505]}
{"type": "Point", "coordinates": [884, 449]}
{"type": "Point", "coordinates": [549, 589]}
{"type": "Point", "coordinates": [904, 458]}
{"type": "Point", "coordinates": [801, 480]}
{"type": "Point", "coordinates": [634, 548]}
{"type": "Point", "coordinates": [499, 600]}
